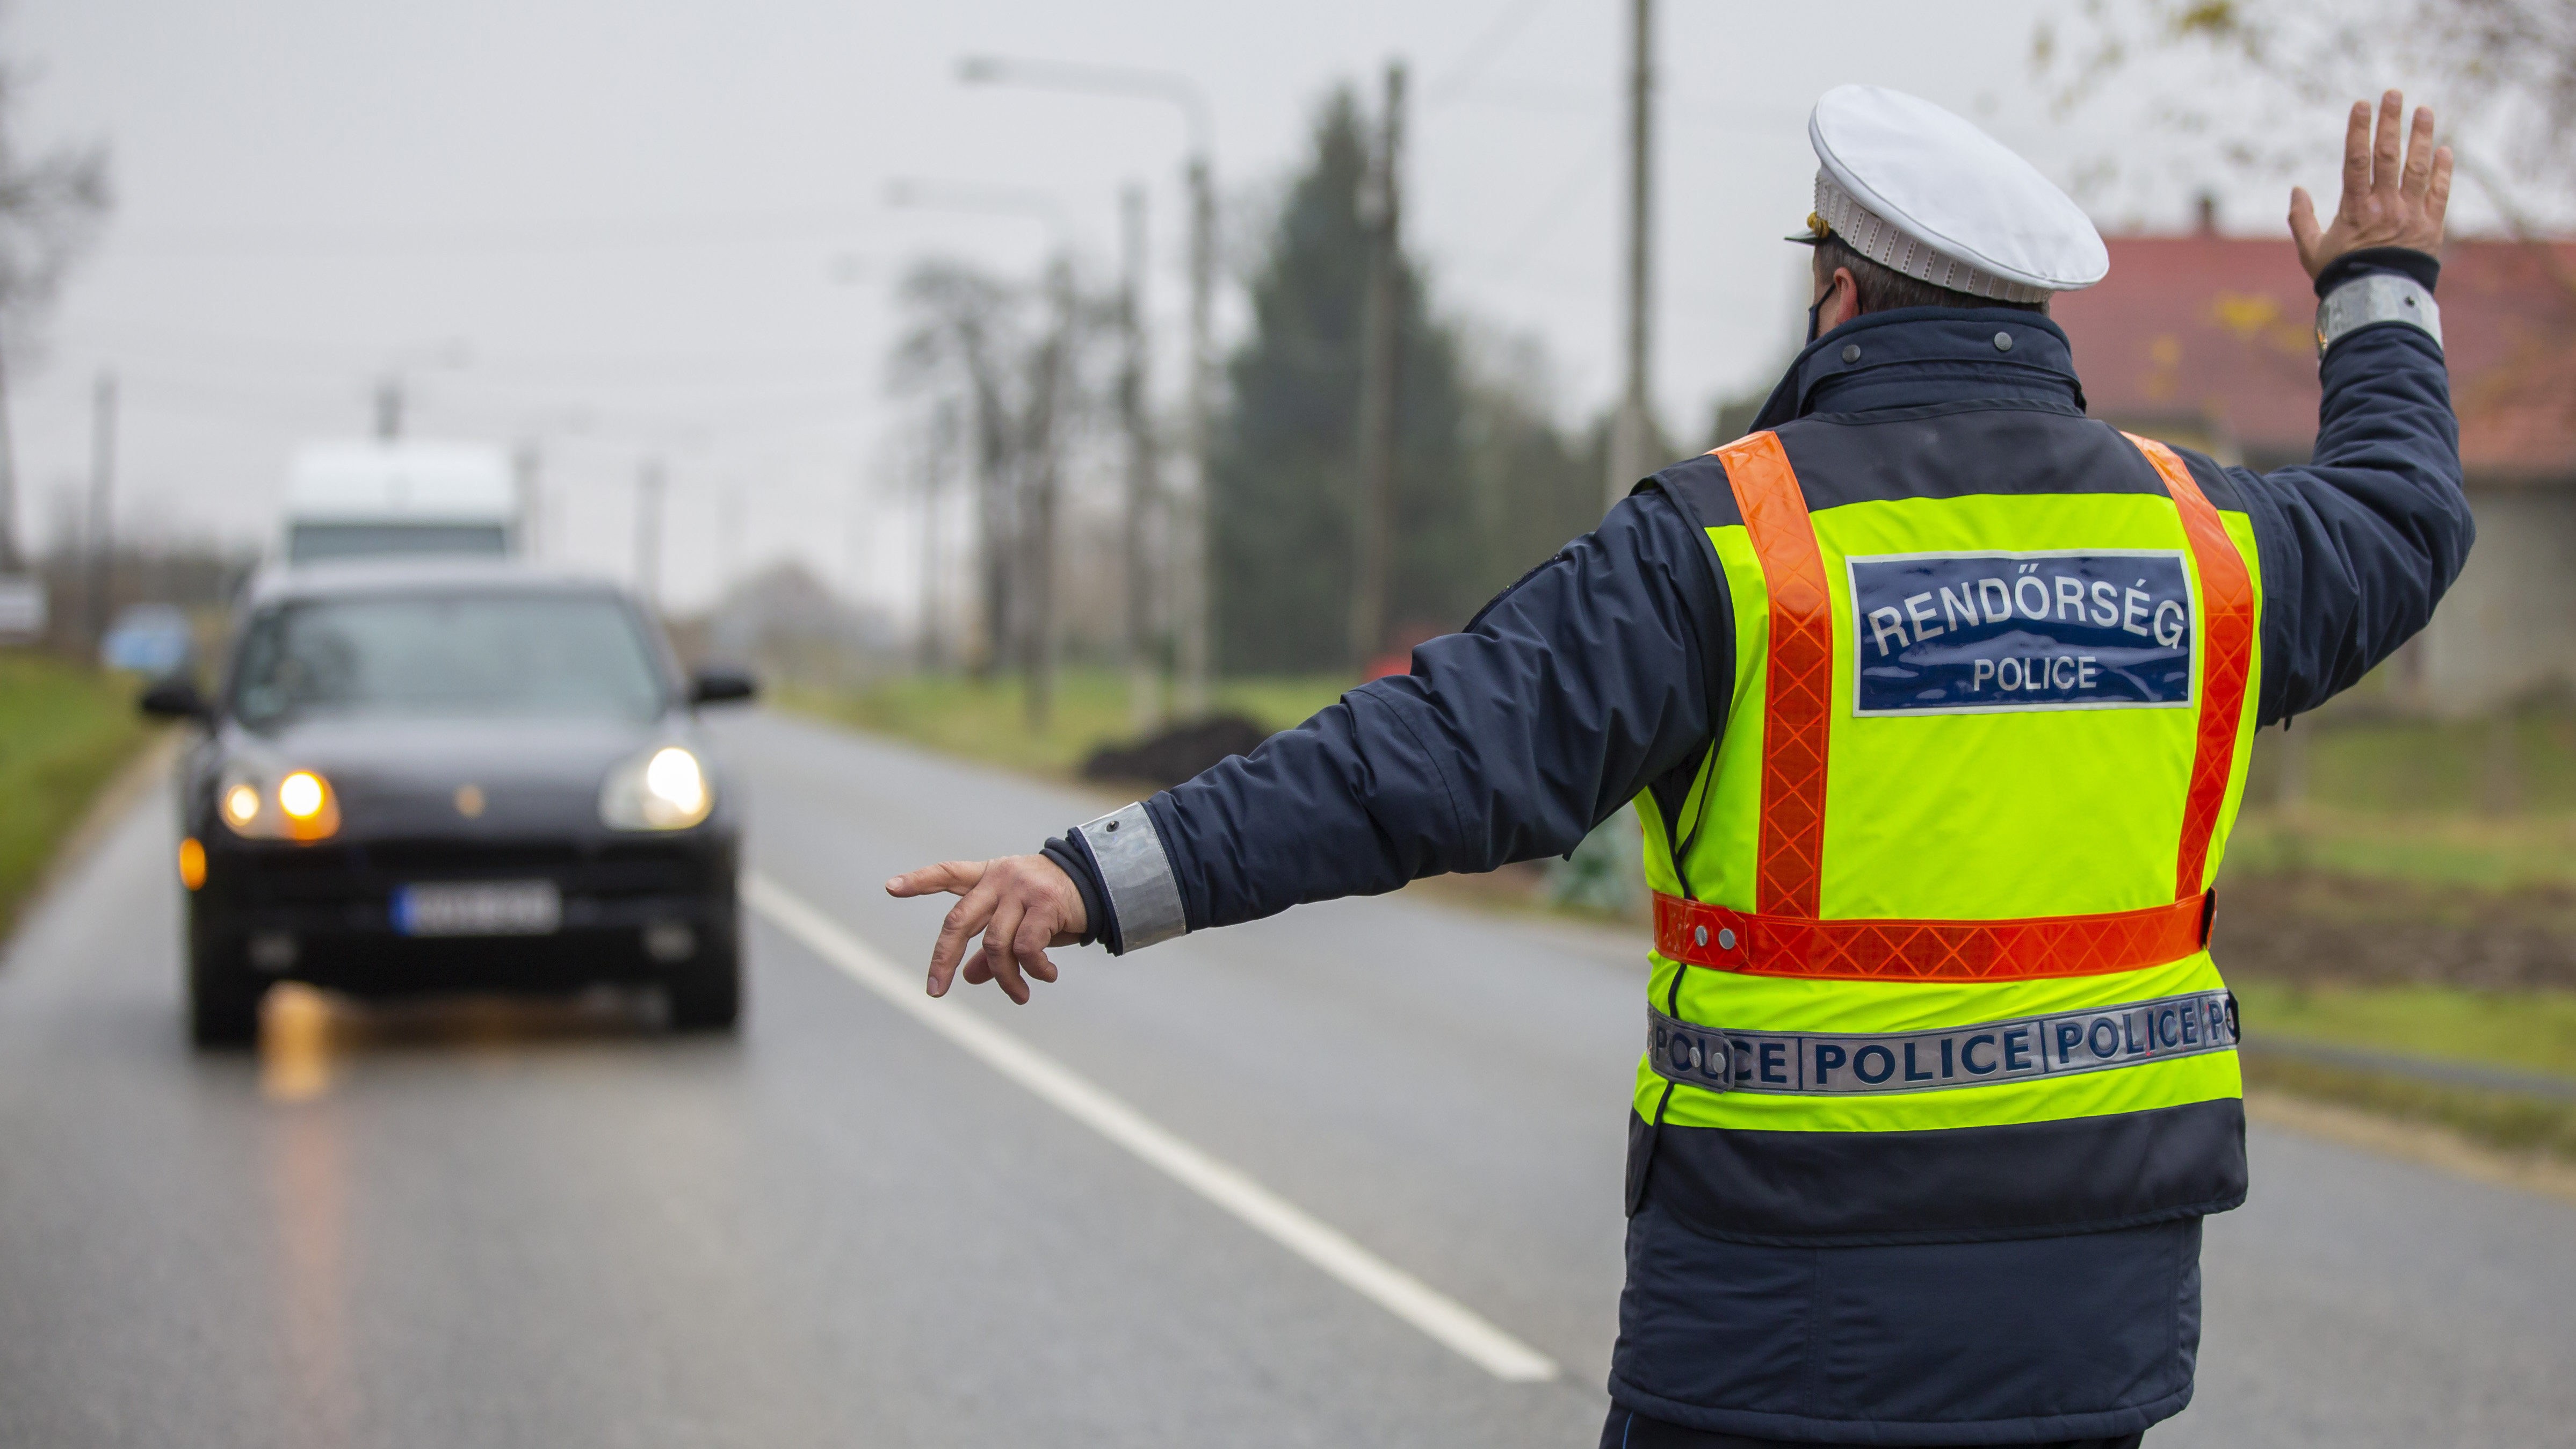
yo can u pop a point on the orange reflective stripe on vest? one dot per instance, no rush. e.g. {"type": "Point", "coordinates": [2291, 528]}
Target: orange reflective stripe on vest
{"type": "Point", "coordinates": [1784, 935]}
{"type": "Point", "coordinates": [1799, 680]}
{"type": "Point", "coordinates": [2227, 614]}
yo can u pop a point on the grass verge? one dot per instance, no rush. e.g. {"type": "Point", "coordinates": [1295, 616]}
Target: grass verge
{"type": "Point", "coordinates": [2445, 851]}
{"type": "Point", "coordinates": [2531, 1031]}
{"type": "Point", "coordinates": [2523, 1031]}
{"type": "Point", "coordinates": [63, 731]}
{"type": "Point", "coordinates": [2498, 1120]}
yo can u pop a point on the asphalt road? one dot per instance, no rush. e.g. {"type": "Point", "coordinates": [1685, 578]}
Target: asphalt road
{"type": "Point", "coordinates": [485, 1224]}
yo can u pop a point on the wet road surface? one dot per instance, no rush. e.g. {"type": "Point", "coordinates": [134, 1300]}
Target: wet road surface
{"type": "Point", "coordinates": [490, 1223]}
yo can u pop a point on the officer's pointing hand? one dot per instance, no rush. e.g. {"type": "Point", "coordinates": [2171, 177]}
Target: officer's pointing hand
{"type": "Point", "coordinates": [2385, 203]}
{"type": "Point", "coordinates": [1021, 903]}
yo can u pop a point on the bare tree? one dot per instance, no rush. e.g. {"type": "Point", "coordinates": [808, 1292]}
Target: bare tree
{"type": "Point", "coordinates": [51, 206]}
{"type": "Point", "coordinates": [2504, 73]}
{"type": "Point", "coordinates": [967, 328]}
{"type": "Point", "coordinates": [1025, 366]}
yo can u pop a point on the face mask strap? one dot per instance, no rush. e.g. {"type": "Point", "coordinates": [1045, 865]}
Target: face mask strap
{"type": "Point", "coordinates": [1816, 310]}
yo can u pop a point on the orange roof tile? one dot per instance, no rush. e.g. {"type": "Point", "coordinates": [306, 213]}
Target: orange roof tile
{"type": "Point", "coordinates": [2209, 340]}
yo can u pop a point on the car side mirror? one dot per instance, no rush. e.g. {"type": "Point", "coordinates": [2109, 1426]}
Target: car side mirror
{"type": "Point", "coordinates": [721, 686]}
{"type": "Point", "coordinates": [175, 697]}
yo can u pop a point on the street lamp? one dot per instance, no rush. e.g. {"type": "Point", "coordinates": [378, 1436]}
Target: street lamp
{"type": "Point", "coordinates": [1189, 526]}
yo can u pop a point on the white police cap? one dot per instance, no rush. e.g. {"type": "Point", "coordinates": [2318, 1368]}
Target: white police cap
{"type": "Point", "coordinates": [1924, 192]}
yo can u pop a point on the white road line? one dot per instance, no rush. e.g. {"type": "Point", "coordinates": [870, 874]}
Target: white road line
{"type": "Point", "coordinates": [1448, 1322]}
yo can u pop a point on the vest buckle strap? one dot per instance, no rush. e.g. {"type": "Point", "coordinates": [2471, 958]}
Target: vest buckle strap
{"type": "Point", "coordinates": [1720, 938]}
{"type": "Point", "coordinates": [1834, 1064]}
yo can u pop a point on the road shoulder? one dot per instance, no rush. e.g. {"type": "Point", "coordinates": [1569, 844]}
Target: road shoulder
{"type": "Point", "coordinates": [2417, 1142]}
{"type": "Point", "coordinates": [107, 809]}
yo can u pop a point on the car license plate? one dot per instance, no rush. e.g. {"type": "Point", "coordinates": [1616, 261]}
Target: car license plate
{"type": "Point", "coordinates": [483, 908]}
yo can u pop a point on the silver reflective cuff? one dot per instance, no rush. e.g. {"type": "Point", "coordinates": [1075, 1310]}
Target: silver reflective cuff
{"type": "Point", "coordinates": [1138, 876]}
{"type": "Point", "coordinates": [2379, 297]}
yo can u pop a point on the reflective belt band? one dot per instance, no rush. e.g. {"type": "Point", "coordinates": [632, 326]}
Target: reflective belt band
{"type": "Point", "coordinates": [1832, 1064]}
{"type": "Point", "coordinates": [1698, 933]}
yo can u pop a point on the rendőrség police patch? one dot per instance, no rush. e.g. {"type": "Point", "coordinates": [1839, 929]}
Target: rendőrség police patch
{"type": "Point", "coordinates": [1962, 633]}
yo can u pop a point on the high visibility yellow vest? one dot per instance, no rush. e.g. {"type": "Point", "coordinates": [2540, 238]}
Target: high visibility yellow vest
{"type": "Point", "coordinates": [1930, 921]}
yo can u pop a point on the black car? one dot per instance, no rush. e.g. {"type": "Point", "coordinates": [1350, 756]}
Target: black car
{"type": "Point", "coordinates": [452, 775]}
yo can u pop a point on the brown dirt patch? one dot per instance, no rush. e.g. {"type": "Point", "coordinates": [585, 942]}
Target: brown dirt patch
{"type": "Point", "coordinates": [2329, 928]}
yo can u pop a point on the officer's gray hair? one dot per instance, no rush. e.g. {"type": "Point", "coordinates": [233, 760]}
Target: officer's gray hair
{"type": "Point", "coordinates": [1884, 289]}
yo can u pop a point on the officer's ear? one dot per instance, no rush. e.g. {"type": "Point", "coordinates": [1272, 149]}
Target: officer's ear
{"type": "Point", "coordinates": [1841, 300]}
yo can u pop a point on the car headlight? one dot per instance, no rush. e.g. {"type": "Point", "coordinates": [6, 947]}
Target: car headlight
{"type": "Point", "coordinates": [262, 804]}
{"type": "Point", "coordinates": [665, 788]}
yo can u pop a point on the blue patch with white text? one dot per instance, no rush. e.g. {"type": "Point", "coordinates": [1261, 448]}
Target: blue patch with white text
{"type": "Point", "coordinates": [1956, 633]}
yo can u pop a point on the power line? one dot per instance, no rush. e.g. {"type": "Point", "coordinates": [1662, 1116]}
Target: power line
{"type": "Point", "coordinates": [602, 234]}
{"type": "Point", "coordinates": [1479, 53]}
{"type": "Point", "coordinates": [1546, 218]}
{"type": "Point", "coordinates": [337, 358]}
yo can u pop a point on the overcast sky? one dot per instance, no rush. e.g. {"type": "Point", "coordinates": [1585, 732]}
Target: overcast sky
{"type": "Point", "coordinates": [630, 227]}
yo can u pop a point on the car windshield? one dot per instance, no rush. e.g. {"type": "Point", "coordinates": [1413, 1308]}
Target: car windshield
{"type": "Point", "coordinates": [517, 655]}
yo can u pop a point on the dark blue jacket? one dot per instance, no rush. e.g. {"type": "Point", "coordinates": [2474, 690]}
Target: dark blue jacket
{"type": "Point", "coordinates": [1590, 681]}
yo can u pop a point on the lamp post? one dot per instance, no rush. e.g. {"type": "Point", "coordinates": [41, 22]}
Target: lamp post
{"type": "Point", "coordinates": [1144, 686]}
{"type": "Point", "coordinates": [1189, 592]}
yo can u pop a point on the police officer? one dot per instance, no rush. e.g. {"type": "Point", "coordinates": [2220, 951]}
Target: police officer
{"type": "Point", "coordinates": [1935, 699]}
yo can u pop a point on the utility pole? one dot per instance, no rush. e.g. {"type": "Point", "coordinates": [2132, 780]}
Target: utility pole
{"type": "Point", "coordinates": [1373, 526]}
{"type": "Point", "coordinates": [1041, 626]}
{"type": "Point", "coordinates": [102, 510]}
{"type": "Point", "coordinates": [1137, 643]}
{"type": "Point", "coordinates": [389, 408]}
{"type": "Point", "coordinates": [729, 529]}
{"type": "Point", "coordinates": [939, 451]}
{"type": "Point", "coordinates": [648, 534]}
{"type": "Point", "coordinates": [526, 466]}
{"type": "Point", "coordinates": [9, 557]}
{"type": "Point", "coordinates": [1632, 429]}
{"type": "Point", "coordinates": [1193, 601]}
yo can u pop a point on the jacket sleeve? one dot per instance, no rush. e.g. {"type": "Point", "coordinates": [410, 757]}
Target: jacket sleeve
{"type": "Point", "coordinates": [2360, 543]}
{"type": "Point", "coordinates": [1507, 742]}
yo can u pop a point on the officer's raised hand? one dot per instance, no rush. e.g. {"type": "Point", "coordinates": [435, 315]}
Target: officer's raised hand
{"type": "Point", "coordinates": [2385, 203]}
{"type": "Point", "coordinates": [1022, 904]}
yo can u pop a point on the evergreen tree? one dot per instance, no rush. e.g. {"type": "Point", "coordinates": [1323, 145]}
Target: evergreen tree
{"type": "Point", "coordinates": [1283, 486]}
{"type": "Point", "coordinates": [1487, 483]}
{"type": "Point", "coordinates": [1536, 485]}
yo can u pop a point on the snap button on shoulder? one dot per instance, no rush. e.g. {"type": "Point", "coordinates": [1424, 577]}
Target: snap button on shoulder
{"type": "Point", "coordinates": [2003, 342]}
{"type": "Point", "coordinates": [1725, 940]}
{"type": "Point", "coordinates": [1700, 936]}
{"type": "Point", "coordinates": [1851, 352]}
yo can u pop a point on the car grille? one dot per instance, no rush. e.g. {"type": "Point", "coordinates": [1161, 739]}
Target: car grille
{"type": "Point", "coordinates": [335, 871]}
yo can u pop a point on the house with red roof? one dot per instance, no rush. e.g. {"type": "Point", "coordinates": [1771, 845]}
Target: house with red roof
{"type": "Point", "coordinates": [2208, 341]}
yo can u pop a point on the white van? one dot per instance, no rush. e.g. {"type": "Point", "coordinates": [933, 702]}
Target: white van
{"type": "Point", "coordinates": [379, 497]}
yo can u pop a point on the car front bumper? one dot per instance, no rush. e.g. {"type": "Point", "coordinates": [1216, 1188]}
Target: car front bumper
{"type": "Point", "coordinates": [634, 909]}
